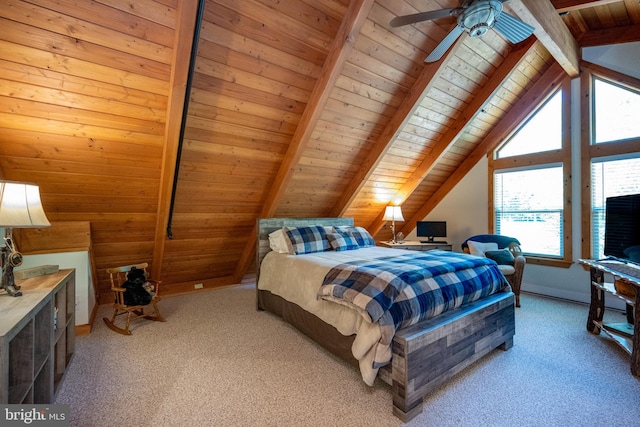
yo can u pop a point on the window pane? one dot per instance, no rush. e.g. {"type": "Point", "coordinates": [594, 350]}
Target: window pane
{"type": "Point", "coordinates": [543, 131]}
{"type": "Point", "coordinates": [529, 206]}
{"type": "Point", "coordinates": [616, 112]}
{"type": "Point", "coordinates": [609, 179]}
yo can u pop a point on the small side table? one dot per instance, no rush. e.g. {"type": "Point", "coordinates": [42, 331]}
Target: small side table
{"type": "Point", "coordinates": [415, 245]}
{"type": "Point", "coordinates": [599, 288]}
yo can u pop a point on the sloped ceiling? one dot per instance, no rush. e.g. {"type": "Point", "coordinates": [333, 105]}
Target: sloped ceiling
{"type": "Point", "coordinates": [301, 108]}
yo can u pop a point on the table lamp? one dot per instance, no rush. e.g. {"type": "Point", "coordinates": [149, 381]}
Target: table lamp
{"type": "Point", "coordinates": [393, 214]}
{"type": "Point", "coordinates": [20, 207]}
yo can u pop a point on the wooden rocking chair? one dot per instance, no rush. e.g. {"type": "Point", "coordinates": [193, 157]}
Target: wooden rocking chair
{"type": "Point", "coordinates": [118, 275]}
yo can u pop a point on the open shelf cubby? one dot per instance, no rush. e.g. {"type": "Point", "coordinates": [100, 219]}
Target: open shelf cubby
{"type": "Point", "coordinates": [37, 338]}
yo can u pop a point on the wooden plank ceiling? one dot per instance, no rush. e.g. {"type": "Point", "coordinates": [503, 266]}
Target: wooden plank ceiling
{"type": "Point", "coordinates": [296, 108]}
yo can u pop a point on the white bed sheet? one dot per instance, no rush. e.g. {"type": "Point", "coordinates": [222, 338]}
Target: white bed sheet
{"type": "Point", "coordinates": [297, 279]}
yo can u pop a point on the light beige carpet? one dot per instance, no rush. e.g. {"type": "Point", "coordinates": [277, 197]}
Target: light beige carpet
{"type": "Point", "coordinates": [219, 362]}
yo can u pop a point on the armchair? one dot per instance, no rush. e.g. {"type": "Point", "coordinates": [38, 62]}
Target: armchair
{"type": "Point", "coordinates": [482, 244]}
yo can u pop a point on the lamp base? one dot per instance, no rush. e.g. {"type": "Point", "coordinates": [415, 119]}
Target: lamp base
{"type": "Point", "coordinates": [393, 232]}
{"type": "Point", "coordinates": [8, 281]}
{"type": "Point", "coordinates": [12, 290]}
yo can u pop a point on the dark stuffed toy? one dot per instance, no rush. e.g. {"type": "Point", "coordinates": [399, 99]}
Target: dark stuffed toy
{"type": "Point", "coordinates": [136, 293]}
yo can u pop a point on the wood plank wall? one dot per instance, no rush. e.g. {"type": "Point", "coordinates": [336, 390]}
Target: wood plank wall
{"type": "Point", "coordinates": [256, 67]}
{"type": "Point", "coordinates": [83, 113]}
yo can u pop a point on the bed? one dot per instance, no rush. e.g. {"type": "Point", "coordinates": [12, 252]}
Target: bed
{"type": "Point", "coordinates": [422, 355]}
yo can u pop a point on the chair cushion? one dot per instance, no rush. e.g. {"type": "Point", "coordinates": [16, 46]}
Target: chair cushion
{"type": "Point", "coordinates": [502, 241]}
{"type": "Point", "coordinates": [479, 248]}
{"type": "Point", "coordinates": [507, 270]}
{"type": "Point", "coordinates": [502, 256]}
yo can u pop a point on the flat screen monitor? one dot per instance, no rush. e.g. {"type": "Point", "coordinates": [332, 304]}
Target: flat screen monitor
{"type": "Point", "coordinates": [428, 231]}
{"type": "Point", "coordinates": [622, 227]}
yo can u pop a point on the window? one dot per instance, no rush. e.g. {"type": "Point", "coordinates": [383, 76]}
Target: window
{"type": "Point", "coordinates": [608, 179]}
{"type": "Point", "coordinates": [529, 188]}
{"type": "Point", "coordinates": [542, 132]}
{"type": "Point", "coordinates": [615, 121]}
{"type": "Point", "coordinates": [529, 206]}
{"type": "Point", "coordinates": [615, 111]}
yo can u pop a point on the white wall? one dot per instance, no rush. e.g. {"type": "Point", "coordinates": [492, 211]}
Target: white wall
{"type": "Point", "coordinates": [624, 57]}
{"type": "Point", "coordinates": [85, 298]}
{"type": "Point", "coordinates": [465, 208]}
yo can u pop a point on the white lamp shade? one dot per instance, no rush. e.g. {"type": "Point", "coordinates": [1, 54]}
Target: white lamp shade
{"type": "Point", "coordinates": [20, 206]}
{"type": "Point", "coordinates": [393, 213]}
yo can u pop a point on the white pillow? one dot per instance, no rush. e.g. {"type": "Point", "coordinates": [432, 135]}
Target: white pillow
{"type": "Point", "coordinates": [478, 248]}
{"type": "Point", "coordinates": [279, 242]}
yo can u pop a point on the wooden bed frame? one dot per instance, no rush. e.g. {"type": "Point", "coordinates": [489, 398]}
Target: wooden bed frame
{"type": "Point", "coordinates": [424, 355]}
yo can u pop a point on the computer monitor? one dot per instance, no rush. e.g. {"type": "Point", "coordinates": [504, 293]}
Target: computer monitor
{"type": "Point", "coordinates": [427, 231]}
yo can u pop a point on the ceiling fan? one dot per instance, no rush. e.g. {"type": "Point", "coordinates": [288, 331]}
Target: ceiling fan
{"type": "Point", "coordinates": [475, 17]}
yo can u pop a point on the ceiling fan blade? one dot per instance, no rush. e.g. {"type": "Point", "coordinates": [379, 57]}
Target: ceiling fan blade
{"type": "Point", "coordinates": [445, 44]}
{"type": "Point", "coordinates": [399, 21]}
{"type": "Point", "coordinates": [512, 28]}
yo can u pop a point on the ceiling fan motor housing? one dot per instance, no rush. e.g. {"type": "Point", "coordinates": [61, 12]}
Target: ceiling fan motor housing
{"type": "Point", "coordinates": [480, 17]}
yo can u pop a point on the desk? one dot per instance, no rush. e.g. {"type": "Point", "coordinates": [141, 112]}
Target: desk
{"type": "Point", "coordinates": [415, 245]}
{"type": "Point", "coordinates": [631, 344]}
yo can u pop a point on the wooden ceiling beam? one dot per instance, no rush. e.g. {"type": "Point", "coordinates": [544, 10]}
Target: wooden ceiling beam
{"type": "Point", "coordinates": [183, 41]}
{"type": "Point", "coordinates": [608, 36]}
{"type": "Point", "coordinates": [552, 32]}
{"type": "Point", "coordinates": [405, 111]}
{"type": "Point", "coordinates": [551, 79]}
{"type": "Point", "coordinates": [570, 5]}
{"type": "Point", "coordinates": [480, 99]}
{"type": "Point", "coordinates": [339, 51]}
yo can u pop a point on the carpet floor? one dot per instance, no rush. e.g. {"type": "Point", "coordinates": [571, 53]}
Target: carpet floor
{"type": "Point", "coordinates": [217, 361]}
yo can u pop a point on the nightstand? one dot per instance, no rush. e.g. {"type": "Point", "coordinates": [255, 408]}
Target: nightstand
{"type": "Point", "coordinates": [415, 245]}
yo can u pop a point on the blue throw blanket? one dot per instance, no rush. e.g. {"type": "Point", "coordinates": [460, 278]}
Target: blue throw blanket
{"type": "Point", "coordinates": [402, 290]}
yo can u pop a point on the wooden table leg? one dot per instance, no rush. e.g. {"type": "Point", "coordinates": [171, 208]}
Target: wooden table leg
{"type": "Point", "coordinates": [596, 308]}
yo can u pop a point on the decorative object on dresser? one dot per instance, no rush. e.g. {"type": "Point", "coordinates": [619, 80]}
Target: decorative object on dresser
{"type": "Point", "coordinates": [124, 283]}
{"type": "Point", "coordinates": [37, 338]}
{"type": "Point", "coordinates": [393, 214]}
{"type": "Point", "coordinates": [20, 207]}
{"type": "Point", "coordinates": [420, 356]}
{"type": "Point", "coordinates": [505, 251]}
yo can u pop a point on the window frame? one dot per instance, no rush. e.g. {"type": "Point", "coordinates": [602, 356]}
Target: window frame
{"type": "Point", "coordinates": [542, 159]}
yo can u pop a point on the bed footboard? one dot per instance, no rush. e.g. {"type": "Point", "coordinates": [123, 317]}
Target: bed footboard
{"type": "Point", "coordinates": [429, 353]}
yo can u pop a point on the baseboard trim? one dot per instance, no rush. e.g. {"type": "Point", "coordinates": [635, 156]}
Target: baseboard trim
{"type": "Point", "coordinates": [83, 330]}
{"type": "Point", "coordinates": [577, 297]}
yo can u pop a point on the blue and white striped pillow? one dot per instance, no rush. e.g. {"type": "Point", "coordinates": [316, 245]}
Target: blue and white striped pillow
{"type": "Point", "coordinates": [360, 234]}
{"type": "Point", "coordinates": [342, 242]}
{"type": "Point", "coordinates": [306, 240]}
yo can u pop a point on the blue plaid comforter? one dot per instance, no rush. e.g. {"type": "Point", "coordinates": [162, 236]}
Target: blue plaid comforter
{"type": "Point", "coordinates": [402, 290]}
